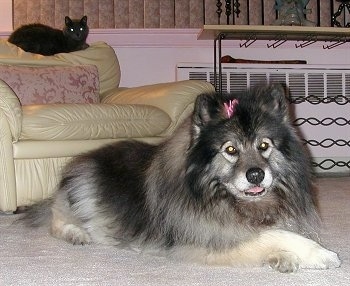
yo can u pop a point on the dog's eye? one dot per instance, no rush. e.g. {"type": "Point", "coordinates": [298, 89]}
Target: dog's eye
{"type": "Point", "coordinates": [263, 146]}
{"type": "Point", "coordinates": [231, 150]}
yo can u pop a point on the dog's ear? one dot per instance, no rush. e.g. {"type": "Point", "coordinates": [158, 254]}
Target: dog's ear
{"type": "Point", "coordinates": [206, 109]}
{"type": "Point", "coordinates": [273, 99]}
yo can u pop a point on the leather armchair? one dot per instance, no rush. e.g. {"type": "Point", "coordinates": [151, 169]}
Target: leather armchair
{"type": "Point", "coordinates": [37, 140]}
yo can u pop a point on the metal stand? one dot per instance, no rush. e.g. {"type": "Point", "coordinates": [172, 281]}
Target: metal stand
{"type": "Point", "coordinates": [217, 62]}
{"type": "Point", "coordinates": [276, 38]}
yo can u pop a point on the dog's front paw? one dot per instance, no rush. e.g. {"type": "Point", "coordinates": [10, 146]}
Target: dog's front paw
{"type": "Point", "coordinates": [283, 261]}
{"type": "Point", "coordinates": [320, 258]}
{"type": "Point", "coordinates": [290, 251]}
{"type": "Point", "coordinates": [75, 235]}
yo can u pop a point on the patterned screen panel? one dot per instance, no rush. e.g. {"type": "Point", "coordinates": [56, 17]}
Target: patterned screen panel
{"type": "Point", "coordinates": [109, 14]}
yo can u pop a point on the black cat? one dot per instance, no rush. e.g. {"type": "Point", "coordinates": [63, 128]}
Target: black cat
{"type": "Point", "coordinates": [45, 40]}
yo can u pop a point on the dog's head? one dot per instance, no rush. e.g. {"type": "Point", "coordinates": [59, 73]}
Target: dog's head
{"type": "Point", "coordinates": [244, 145]}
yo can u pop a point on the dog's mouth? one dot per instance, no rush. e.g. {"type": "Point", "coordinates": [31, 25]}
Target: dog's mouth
{"type": "Point", "coordinates": [255, 192]}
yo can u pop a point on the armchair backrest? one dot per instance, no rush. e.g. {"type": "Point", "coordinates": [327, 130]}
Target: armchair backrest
{"type": "Point", "coordinates": [99, 54]}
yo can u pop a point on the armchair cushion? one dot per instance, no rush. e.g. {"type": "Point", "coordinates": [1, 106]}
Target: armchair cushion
{"type": "Point", "coordinates": [91, 121]}
{"type": "Point", "coordinates": [53, 84]}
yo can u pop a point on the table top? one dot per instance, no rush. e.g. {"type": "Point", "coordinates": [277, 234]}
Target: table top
{"type": "Point", "coordinates": [241, 32]}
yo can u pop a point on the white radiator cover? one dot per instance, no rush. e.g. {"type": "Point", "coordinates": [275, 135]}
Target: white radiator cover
{"type": "Point", "coordinates": [318, 81]}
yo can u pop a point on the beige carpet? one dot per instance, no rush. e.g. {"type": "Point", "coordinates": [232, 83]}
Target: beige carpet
{"type": "Point", "coordinates": [32, 257]}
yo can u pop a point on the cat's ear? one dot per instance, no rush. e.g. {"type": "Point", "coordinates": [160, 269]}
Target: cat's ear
{"type": "Point", "coordinates": [67, 21]}
{"type": "Point", "coordinates": [83, 21]}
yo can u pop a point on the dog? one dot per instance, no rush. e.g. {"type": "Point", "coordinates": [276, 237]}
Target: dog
{"type": "Point", "coordinates": [231, 186]}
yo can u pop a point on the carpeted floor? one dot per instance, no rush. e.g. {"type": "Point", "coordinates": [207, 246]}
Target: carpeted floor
{"type": "Point", "coordinates": [32, 257]}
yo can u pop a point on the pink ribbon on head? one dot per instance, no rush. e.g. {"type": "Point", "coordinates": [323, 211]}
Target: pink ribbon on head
{"type": "Point", "coordinates": [230, 107]}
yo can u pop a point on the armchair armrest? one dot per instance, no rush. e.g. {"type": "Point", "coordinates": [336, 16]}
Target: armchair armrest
{"type": "Point", "coordinates": [11, 110]}
{"type": "Point", "coordinates": [54, 122]}
{"type": "Point", "coordinates": [10, 129]}
{"type": "Point", "coordinates": [175, 98]}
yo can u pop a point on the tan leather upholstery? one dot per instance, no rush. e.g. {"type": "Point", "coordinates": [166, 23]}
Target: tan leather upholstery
{"type": "Point", "coordinates": [98, 54]}
{"type": "Point", "coordinates": [91, 121]}
{"type": "Point", "coordinates": [36, 141]}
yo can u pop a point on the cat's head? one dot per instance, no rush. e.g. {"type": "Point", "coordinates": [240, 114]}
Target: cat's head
{"type": "Point", "coordinates": [76, 29]}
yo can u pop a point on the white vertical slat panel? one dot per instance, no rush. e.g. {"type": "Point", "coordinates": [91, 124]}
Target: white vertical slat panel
{"type": "Point", "coordinates": [167, 13]}
{"type": "Point", "coordinates": [211, 17]}
{"type": "Point", "coordinates": [61, 10]}
{"type": "Point", "coordinates": [136, 14]}
{"type": "Point", "coordinates": [92, 11]}
{"type": "Point", "coordinates": [325, 17]}
{"type": "Point", "coordinates": [255, 12]}
{"type": "Point", "coordinates": [196, 14]}
{"type": "Point", "coordinates": [20, 13]}
{"type": "Point", "coordinates": [106, 14]}
{"type": "Point", "coordinates": [121, 13]}
{"type": "Point", "coordinates": [151, 14]}
{"type": "Point", "coordinates": [76, 9]}
{"type": "Point", "coordinates": [269, 12]}
{"type": "Point", "coordinates": [182, 14]}
{"type": "Point", "coordinates": [312, 7]}
{"type": "Point", "coordinates": [47, 13]}
{"type": "Point", "coordinates": [242, 18]}
{"type": "Point", "coordinates": [33, 12]}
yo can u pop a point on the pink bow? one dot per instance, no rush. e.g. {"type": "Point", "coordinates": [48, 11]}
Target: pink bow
{"type": "Point", "coordinates": [231, 107]}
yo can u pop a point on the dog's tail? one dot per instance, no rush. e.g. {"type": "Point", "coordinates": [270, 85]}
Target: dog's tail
{"type": "Point", "coordinates": [38, 214]}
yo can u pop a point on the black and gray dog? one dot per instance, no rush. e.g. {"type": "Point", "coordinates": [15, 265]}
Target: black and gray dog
{"type": "Point", "coordinates": [230, 187]}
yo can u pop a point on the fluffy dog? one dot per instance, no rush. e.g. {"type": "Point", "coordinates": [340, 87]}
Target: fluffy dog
{"type": "Point", "coordinates": [230, 187]}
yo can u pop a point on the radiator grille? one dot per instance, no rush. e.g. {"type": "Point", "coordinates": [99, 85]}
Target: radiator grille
{"type": "Point", "coordinates": [297, 84]}
{"type": "Point", "coordinates": [347, 85]}
{"type": "Point", "coordinates": [302, 80]}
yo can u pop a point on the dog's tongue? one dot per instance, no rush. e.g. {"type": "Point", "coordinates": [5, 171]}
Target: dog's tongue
{"type": "Point", "coordinates": [255, 190]}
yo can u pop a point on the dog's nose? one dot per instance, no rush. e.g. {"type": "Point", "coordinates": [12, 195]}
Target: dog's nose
{"type": "Point", "coordinates": [255, 175]}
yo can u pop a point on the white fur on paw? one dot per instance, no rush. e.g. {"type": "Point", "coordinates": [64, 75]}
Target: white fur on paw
{"type": "Point", "coordinates": [283, 261]}
{"type": "Point", "coordinates": [308, 252]}
{"type": "Point", "coordinates": [75, 234]}
{"type": "Point", "coordinates": [320, 258]}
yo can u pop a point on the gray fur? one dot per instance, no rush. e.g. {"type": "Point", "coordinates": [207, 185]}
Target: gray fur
{"type": "Point", "coordinates": [213, 186]}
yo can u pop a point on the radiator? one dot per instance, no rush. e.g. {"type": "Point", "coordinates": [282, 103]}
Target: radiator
{"type": "Point", "coordinates": [320, 96]}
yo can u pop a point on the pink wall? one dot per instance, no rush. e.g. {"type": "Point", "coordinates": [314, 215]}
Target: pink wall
{"type": "Point", "coordinates": [5, 15]}
{"type": "Point", "coordinates": [150, 56]}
